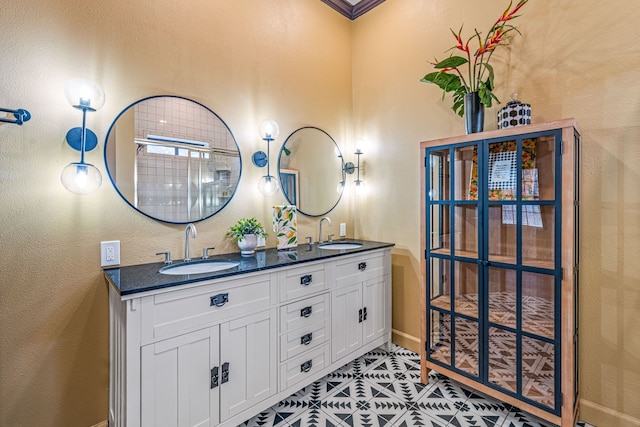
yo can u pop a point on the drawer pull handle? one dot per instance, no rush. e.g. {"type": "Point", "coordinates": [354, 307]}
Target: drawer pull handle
{"type": "Point", "coordinates": [362, 266]}
{"type": "Point", "coordinates": [306, 312]}
{"type": "Point", "coordinates": [219, 300]}
{"type": "Point", "coordinates": [306, 339]}
{"type": "Point", "coordinates": [306, 279]}
{"type": "Point", "coordinates": [225, 372]}
{"type": "Point", "coordinates": [214, 377]}
{"type": "Point", "coordinates": [306, 366]}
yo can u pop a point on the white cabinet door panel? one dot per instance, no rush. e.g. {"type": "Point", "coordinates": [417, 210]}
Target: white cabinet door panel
{"type": "Point", "coordinates": [376, 319]}
{"type": "Point", "coordinates": [346, 329]}
{"type": "Point", "coordinates": [248, 344]}
{"type": "Point", "coordinates": [175, 388]}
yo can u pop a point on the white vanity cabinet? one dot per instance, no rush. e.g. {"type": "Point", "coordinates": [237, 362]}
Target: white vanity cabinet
{"type": "Point", "coordinates": [219, 351]}
{"type": "Point", "coordinates": [361, 302]}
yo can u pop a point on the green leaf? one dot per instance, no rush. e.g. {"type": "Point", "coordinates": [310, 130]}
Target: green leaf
{"type": "Point", "coordinates": [452, 62]}
{"type": "Point", "coordinates": [489, 81]}
{"type": "Point", "coordinates": [447, 82]}
{"type": "Point", "coordinates": [292, 240]}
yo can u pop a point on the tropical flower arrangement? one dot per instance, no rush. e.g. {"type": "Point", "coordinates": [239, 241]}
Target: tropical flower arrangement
{"type": "Point", "coordinates": [477, 75]}
{"type": "Point", "coordinates": [246, 226]}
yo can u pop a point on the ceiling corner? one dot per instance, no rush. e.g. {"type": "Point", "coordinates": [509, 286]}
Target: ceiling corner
{"type": "Point", "coordinates": [352, 11]}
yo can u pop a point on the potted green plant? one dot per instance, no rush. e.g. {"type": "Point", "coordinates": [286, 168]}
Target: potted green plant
{"type": "Point", "coordinates": [470, 77]}
{"type": "Point", "coordinates": [245, 233]}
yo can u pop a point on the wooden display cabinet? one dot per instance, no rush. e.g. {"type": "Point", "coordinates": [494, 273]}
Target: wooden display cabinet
{"type": "Point", "coordinates": [500, 241]}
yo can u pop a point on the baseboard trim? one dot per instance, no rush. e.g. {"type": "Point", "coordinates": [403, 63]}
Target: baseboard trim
{"type": "Point", "coordinates": [405, 340]}
{"type": "Point", "coordinates": [104, 423]}
{"type": "Point", "coordinates": [598, 415]}
{"type": "Point", "coordinates": [405, 335]}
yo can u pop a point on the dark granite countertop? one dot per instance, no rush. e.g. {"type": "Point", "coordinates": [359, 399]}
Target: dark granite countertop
{"type": "Point", "coordinates": [145, 277]}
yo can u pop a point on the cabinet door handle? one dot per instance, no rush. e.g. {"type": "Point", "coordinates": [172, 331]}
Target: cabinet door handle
{"type": "Point", "coordinates": [306, 366]}
{"type": "Point", "coordinates": [219, 300]}
{"type": "Point", "coordinates": [214, 377]}
{"type": "Point", "coordinates": [306, 279]}
{"type": "Point", "coordinates": [360, 316]}
{"type": "Point", "coordinates": [306, 339]}
{"type": "Point", "coordinates": [306, 312]}
{"type": "Point", "coordinates": [364, 313]}
{"type": "Point", "coordinates": [225, 372]}
{"type": "Point", "coordinates": [362, 266]}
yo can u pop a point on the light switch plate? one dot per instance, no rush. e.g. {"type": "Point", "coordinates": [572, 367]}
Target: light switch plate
{"type": "Point", "coordinates": [109, 253]}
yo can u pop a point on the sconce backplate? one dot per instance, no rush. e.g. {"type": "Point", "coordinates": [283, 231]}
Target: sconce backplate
{"type": "Point", "coordinates": [74, 139]}
{"type": "Point", "coordinates": [349, 168]}
{"type": "Point", "coordinates": [260, 159]}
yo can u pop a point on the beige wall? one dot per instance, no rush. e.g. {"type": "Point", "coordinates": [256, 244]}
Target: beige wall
{"type": "Point", "coordinates": [575, 58]}
{"type": "Point", "coordinates": [300, 63]}
{"type": "Point", "coordinates": [247, 60]}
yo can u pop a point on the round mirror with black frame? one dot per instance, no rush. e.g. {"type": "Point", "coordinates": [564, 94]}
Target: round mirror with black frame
{"type": "Point", "coordinates": [311, 171]}
{"type": "Point", "coordinates": [172, 159]}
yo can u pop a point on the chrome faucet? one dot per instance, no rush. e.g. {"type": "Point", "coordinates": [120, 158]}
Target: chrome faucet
{"type": "Point", "coordinates": [320, 230]}
{"type": "Point", "coordinates": [190, 230]}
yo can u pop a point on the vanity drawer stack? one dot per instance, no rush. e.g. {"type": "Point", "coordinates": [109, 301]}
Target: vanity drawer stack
{"type": "Point", "coordinates": [305, 323]}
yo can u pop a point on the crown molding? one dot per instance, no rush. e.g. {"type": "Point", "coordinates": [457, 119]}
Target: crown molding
{"type": "Point", "coordinates": [351, 11]}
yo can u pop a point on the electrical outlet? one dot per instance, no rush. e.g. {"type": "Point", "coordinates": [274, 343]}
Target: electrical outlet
{"type": "Point", "coordinates": [261, 242]}
{"type": "Point", "coordinates": [109, 253]}
{"type": "Point", "coordinates": [343, 229]}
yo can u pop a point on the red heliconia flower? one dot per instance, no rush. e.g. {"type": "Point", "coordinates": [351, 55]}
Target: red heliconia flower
{"type": "Point", "coordinates": [506, 15]}
{"type": "Point", "coordinates": [462, 47]}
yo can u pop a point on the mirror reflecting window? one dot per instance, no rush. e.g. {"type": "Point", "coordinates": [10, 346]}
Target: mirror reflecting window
{"type": "Point", "coordinates": [172, 159]}
{"type": "Point", "coordinates": [311, 170]}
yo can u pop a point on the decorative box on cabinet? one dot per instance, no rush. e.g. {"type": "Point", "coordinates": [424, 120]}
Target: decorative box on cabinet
{"type": "Point", "coordinates": [500, 243]}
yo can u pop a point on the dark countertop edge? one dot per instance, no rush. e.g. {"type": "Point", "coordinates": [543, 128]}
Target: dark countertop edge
{"type": "Point", "coordinates": [134, 275]}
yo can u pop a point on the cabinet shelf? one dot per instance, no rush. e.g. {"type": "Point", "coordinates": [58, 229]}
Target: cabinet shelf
{"type": "Point", "coordinates": [496, 258]}
{"type": "Point", "coordinates": [501, 309]}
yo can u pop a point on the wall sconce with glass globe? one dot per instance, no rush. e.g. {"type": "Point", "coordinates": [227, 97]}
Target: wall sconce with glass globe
{"type": "Point", "coordinates": [81, 177]}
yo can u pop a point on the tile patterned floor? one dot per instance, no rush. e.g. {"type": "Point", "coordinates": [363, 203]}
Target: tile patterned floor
{"type": "Point", "coordinates": [383, 389]}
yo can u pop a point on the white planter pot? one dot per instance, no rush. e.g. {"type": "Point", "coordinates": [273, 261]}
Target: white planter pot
{"type": "Point", "coordinates": [248, 244]}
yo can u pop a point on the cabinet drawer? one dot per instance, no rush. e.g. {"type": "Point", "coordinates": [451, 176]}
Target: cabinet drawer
{"type": "Point", "coordinates": [303, 313]}
{"type": "Point", "coordinates": [301, 340]}
{"type": "Point", "coordinates": [302, 281]}
{"type": "Point", "coordinates": [369, 265]}
{"type": "Point", "coordinates": [302, 367]}
{"type": "Point", "coordinates": [184, 309]}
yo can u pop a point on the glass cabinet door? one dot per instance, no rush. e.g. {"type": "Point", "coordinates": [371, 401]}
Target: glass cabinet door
{"type": "Point", "coordinates": [520, 279]}
{"type": "Point", "coordinates": [452, 215]}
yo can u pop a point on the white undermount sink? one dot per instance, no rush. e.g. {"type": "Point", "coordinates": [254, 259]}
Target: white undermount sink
{"type": "Point", "coordinates": [340, 245]}
{"type": "Point", "coordinates": [198, 267]}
